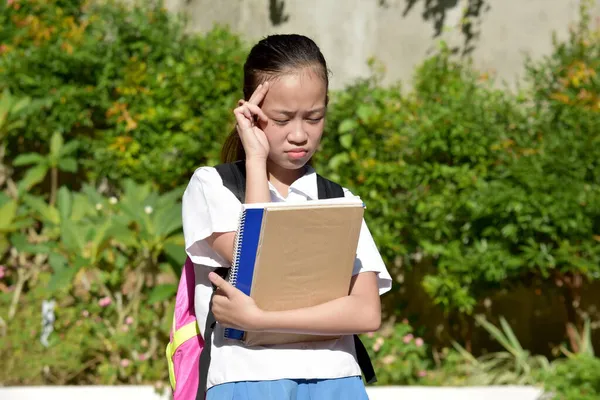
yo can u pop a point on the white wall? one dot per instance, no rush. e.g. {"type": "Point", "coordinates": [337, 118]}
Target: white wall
{"type": "Point", "coordinates": [351, 31]}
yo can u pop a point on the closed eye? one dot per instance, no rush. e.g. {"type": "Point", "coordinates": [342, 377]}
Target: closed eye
{"type": "Point", "coordinates": [315, 120]}
{"type": "Point", "coordinates": [281, 121]}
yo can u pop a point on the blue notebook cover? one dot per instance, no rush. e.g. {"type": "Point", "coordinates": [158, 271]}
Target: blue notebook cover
{"type": "Point", "coordinates": [244, 258]}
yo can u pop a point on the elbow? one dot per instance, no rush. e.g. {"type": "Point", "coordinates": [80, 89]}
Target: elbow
{"type": "Point", "coordinates": [372, 320]}
{"type": "Point", "coordinates": [373, 323]}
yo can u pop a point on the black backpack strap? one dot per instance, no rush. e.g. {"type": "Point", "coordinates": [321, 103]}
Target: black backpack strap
{"type": "Point", "coordinates": [234, 178]}
{"type": "Point", "coordinates": [205, 354]}
{"type": "Point", "coordinates": [328, 190]}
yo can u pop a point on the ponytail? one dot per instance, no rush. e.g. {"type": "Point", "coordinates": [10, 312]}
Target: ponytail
{"type": "Point", "coordinates": [232, 149]}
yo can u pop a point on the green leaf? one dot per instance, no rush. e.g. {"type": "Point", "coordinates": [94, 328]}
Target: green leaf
{"type": "Point", "coordinates": [56, 144]}
{"type": "Point", "coordinates": [68, 165]}
{"type": "Point", "coordinates": [61, 279]}
{"type": "Point", "coordinates": [57, 261]}
{"type": "Point", "coordinates": [71, 237]}
{"type": "Point", "coordinates": [69, 147]}
{"type": "Point", "coordinates": [365, 112]}
{"type": "Point", "coordinates": [347, 125]}
{"type": "Point", "coordinates": [162, 292]}
{"type": "Point", "coordinates": [39, 206]}
{"type": "Point", "coordinates": [168, 220]}
{"type": "Point", "coordinates": [346, 140]}
{"type": "Point", "coordinates": [20, 242]}
{"type": "Point", "coordinates": [8, 211]}
{"type": "Point", "coordinates": [336, 161]}
{"type": "Point", "coordinates": [32, 177]}
{"type": "Point", "coordinates": [64, 203]}
{"type": "Point", "coordinates": [28, 159]}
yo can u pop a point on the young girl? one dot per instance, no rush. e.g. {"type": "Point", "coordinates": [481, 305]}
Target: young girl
{"type": "Point", "coordinates": [279, 125]}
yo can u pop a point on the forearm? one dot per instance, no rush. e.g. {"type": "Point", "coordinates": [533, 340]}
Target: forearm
{"type": "Point", "coordinates": [257, 184]}
{"type": "Point", "coordinates": [344, 316]}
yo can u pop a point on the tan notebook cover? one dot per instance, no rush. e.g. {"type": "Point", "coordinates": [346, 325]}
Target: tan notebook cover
{"type": "Point", "coordinates": [305, 257]}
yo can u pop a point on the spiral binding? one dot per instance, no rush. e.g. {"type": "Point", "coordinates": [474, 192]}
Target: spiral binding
{"type": "Point", "coordinates": [233, 271]}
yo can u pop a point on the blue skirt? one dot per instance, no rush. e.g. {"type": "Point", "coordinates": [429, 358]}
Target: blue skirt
{"type": "Point", "coordinates": [351, 388]}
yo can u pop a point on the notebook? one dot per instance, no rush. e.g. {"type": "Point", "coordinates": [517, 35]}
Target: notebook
{"type": "Point", "coordinates": [294, 255]}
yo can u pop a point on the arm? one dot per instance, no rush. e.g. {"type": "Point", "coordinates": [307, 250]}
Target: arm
{"type": "Point", "coordinates": [257, 191]}
{"type": "Point", "coordinates": [358, 312]}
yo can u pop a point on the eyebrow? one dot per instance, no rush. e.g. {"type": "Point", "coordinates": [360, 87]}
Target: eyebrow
{"type": "Point", "coordinates": [313, 111]}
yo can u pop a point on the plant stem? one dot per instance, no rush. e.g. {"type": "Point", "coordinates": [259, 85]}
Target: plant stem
{"type": "Point", "coordinates": [54, 184]}
{"type": "Point", "coordinates": [572, 286]}
{"type": "Point", "coordinates": [22, 278]}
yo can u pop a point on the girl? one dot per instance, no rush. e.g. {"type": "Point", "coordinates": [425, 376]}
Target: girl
{"type": "Point", "coordinates": [279, 125]}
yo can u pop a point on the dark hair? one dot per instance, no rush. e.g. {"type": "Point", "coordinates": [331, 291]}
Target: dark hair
{"type": "Point", "coordinates": [273, 56]}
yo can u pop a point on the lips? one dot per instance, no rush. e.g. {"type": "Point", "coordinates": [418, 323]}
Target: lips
{"type": "Point", "coordinates": [297, 153]}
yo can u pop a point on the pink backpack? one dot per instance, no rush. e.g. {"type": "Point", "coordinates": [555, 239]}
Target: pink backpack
{"type": "Point", "coordinates": [186, 342]}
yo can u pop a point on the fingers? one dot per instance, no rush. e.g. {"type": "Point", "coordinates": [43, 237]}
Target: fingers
{"type": "Point", "coordinates": [249, 111]}
{"type": "Point", "coordinates": [260, 93]}
{"type": "Point", "coordinates": [225, 287]}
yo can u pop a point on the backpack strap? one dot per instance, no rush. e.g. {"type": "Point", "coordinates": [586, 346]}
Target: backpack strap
{"type": "Point", "coordinates": [234, 178]}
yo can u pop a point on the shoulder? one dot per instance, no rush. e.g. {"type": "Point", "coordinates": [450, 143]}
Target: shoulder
{"type": "Point", "coordinates": [205, 175]}
{"type": "Point", "coordinates": [206, 184]}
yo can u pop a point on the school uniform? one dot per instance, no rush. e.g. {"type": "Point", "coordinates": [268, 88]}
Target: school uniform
{"type": "Point", "coordinates": [315, 370]}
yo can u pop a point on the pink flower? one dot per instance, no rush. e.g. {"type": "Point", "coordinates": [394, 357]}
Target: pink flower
{"type": "Point", "coordinates": [2, 267]}
{"type": "Point", "coordinates": [142, 357]}
{"type": "Point", "coordinates": [125, 363]}
{"type": "Point", "coordinates": [419, 342]}
{"type": "Point", "coordinates": [9, 2]}
{"type": "Point", "coordinates": [378, 343]}
{"type": "Point", "coordinates": [389, 359]}
{"type": "Point", "coordinates": [406, 339]}
{"type": "Point", "coordinates": [85, 313]}
{"type": "Point", "coordinates": [129, 320]}
{"type": "Point", "coordinates": [104, 302]}
{"type": "Point", "coordinates": [422, 374]}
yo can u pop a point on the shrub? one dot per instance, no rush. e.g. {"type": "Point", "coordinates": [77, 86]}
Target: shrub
{"type": "Point", "coordinates": [148, 101]}
{"type": "Point", "coordinates": [576, 378]}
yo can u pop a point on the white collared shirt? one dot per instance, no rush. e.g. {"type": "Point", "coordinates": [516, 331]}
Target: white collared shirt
{"type": "Point", "coordinates": [210, 207]}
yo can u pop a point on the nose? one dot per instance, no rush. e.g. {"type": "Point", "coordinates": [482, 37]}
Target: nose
{"type": "Point", "coordinates": [298, 133]}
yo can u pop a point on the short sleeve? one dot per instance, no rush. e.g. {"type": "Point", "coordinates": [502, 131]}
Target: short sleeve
{"type": "Point", "coordinates": [368, 258]}
{"type": "Point", "coordinates": [207, 207]}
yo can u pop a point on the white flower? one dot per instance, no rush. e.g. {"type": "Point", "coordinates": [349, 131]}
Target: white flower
{"type": "Point", "coordinates": [148, 210]}
{"type": "Point", "coordinates": [113, 200]}
{"type": "Point", "coordinates": [99, 206]}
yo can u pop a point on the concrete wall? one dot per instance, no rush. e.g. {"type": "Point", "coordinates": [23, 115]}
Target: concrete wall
{"type": "Point", "coordinates": [400, 33]}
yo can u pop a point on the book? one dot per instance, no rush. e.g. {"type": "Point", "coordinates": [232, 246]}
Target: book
{"type": "Point", "coordinates": [294, 255]}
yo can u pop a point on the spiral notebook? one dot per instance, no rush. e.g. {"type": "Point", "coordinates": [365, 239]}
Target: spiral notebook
{"type": "Point", "coordinates": [290, 256]}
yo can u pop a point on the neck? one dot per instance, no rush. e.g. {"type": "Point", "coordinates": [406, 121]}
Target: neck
{"type": "Point", "coordinates": [282, 176]}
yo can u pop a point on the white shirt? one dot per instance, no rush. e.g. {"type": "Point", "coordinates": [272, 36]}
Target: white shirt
{"type": "Point", "coordinates": [209, 207]}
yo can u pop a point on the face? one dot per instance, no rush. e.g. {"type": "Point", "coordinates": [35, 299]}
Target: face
{"type": "Point", "coordinates": [295, 105]}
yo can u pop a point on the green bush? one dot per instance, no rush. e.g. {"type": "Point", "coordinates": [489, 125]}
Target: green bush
{"type": "Point", "coordinates": [110, 264]}
{"type": "Point", "coordinates": [576, 378]}
{"type": "Point", "coordinates": [148, 101]}
{"type": "Point", "coordinates": [493, 189]}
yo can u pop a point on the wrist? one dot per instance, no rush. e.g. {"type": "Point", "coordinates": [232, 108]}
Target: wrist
{"type": "Point", "coordinates": [262, 321]}
{"type": "Point", "coordinates": [256, 163]}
